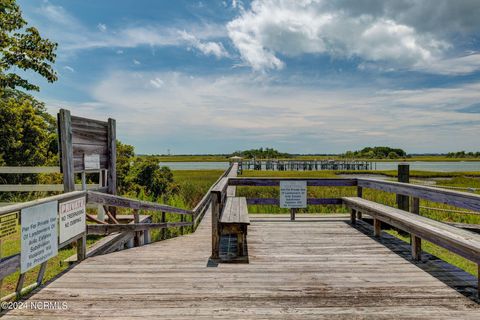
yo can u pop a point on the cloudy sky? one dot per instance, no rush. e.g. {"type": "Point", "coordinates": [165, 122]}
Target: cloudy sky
{"type": "Point", "coordinates": [303, 76]}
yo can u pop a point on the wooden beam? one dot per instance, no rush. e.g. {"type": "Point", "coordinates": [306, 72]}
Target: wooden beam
{"type": "Point", "coordinates": [275, 182]}
{"type": "Point", "coordinates": [102, 229]}
{"type": "Point", "coordinates": [112, 157]}
{"type": "Point", "coordinates": [310, 201]}
{"type": "Point", "coordinates": [28, 204]}
{"type": "Point", "coordinates": [216, 211]}
{"type": "Point", "coordinates": [403, 176]}
{"type": "Point", "coordinates": [23, 170]}
{"type": "Point", "coordinates": [377, 228]}
{"type": "Point", "coordinates": [360, 195]}
{"type": "Point", "coordinates": [459, 199]}
{"type": "Point", "coordinates": [117, 201]}
{"type": "Point", "coordinates": [416, 242]}
{"type": "Point", "coordinates": [66, 149]}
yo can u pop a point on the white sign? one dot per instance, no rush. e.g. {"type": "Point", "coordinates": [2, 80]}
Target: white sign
{"type": "Point", "coordinates": [91, 162]}
{"type": "Point", "coordinates": [71, 218]}
{"type": "Point", "coordinates": [293, 194]}
{"type": "Point", "coordinates": [39, 235]}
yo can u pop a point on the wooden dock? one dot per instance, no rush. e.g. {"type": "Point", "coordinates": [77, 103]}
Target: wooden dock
{"type": "Point", "coordinates": [305, 165]}
{"type": "Point", "coordinates": [312, 268]}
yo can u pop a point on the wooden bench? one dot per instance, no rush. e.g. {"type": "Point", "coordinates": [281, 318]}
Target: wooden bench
{"type": "Point", "coordinates": [462, 242]}
{"type": "Point", "coordinates": [234, 220]}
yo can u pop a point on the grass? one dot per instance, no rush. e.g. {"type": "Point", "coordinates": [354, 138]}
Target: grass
{"type": "Point", "coordinates": [452, 179]}
{"type": "Point", "coordinates": [442, 253]}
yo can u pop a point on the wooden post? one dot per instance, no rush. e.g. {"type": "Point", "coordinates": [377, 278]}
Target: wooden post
{"type": "Point", "coordinates": [359, 194]}
{"type": "Point", "coordinates": [416, 242]}
{"type": "Point", "coordinates": [66, 149]}
{"type": "Point", "coordinates": [138, 234]}
{"type": "Point", "coordinates": [182, 219]}
{"type": "Point", "coordinates": [41, 273]}
{"type": "Point", "coordinates": [403, 176]}
{"type": "Point", "coordinates": [66, 162]}
{"type": "Point", "coordinates": [377, 228]}
{"type": "Point", "coordinates": [112, 162]}
{"type": "Point", "coordinates": [163, 232]}
{"type": "Point", "coordinates": [353, 217]}
{"type": "Point", "coordinates": [82, 247]}
{"type": "Point", "coordinates": [20, 282]}
{"type": "Point", "coordinates": [292, 214]}
{"type": "Point", "coordinates": [215, 200]}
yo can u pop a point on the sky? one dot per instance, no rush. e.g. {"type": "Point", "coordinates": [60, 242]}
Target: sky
{"type": "Point", "coordinates": [301, 76]}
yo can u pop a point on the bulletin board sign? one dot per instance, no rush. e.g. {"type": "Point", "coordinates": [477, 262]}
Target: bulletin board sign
{"type": "Point", "coordinates": [293, 194]}
{"type": "Point", "coordinates": [39, 238]}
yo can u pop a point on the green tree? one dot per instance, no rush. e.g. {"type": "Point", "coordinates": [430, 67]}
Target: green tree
{"type": "Point", "coordinates": [26, 132]}
{"type": "Point", "coordinates": [22, 47]}
{"type": "Point", "coordinates": [125, 157]}
{"type": "Point", "coordinates": [147, 175]}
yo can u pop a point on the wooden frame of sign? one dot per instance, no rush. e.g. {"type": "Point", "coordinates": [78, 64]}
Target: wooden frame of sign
{"type": "Point", "coordinates": [87, 145]}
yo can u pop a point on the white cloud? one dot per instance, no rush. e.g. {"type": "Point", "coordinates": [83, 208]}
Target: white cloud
{"type": "Point", "coordinates": [157, 82]}
{"type": "Point", "coordinates": [69, 68]}
{"type": "Point", "coordinates": [377, 31]}
{"type": "Point", "coordinates": [203, 110]}
{"type": "Point", "coordinates": [453, 66]}
{"type": "Point", "coordinates": [136, 62]}
{"type": "Point", "coordinates": [102, 27]}
{"type": "Point", "coordinates": [208, 48]}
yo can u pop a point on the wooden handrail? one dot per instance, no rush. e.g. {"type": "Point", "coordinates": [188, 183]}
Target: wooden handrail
{"type": "Point", "coordinates": [118, 201]}
{"type": "Point", "coordinates": [60, 197]}
{"type": "Point", "coordinates": [460, 199]}
{"type": "Point", "coordinates": [104, 229]}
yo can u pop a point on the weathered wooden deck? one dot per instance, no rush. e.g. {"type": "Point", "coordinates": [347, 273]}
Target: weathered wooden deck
{"type": "Point", "coordinates": [308, 269]}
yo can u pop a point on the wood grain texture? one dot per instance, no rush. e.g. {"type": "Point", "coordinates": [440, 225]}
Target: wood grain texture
{"type": "Point", "coordinates": [66, 149]}
{"type": "Point", "coordinates": [455, 198]}
{"type": "Point", "coordinates": [311, 182]}
{"type": "Point", "coordinates": [313, 268]}
{"type": "Point", "coordinates": [117, 201]}
{"type": "Point", "coordinates": [235, 211]}
{"type": "Point", "coordinates": [462, 242]}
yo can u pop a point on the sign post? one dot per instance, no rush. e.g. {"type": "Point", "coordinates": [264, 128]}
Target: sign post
{"type": "Point", "coordinates": [293, 195]}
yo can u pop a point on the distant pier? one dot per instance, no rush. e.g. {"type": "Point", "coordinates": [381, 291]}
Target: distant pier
{"type": "Point", "coordinates": [305, 165]}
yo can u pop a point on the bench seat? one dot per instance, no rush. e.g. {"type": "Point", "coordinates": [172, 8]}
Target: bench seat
{"type": "Point", "coordinates": [234, 220]}
{"type": "Point", "coordinates": [459, 241]}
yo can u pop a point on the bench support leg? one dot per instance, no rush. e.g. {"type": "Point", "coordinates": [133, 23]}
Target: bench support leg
{"type": "Point", "coordinates": [377, 227]}
{"type": "Point", "coordinates": [416, 248]}
{"type": "Point", "coordinates": [240, 242]}
{"type": "Point", "coordinates": [359, 215]}
{"type": "Point", "coordinates": [353, 216]}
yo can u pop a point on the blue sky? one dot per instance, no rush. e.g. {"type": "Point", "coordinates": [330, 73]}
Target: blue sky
{"type": "Point", "coordinates": [306, 76]}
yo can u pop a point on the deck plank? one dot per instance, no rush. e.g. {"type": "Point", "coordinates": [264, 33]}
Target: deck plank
{"type": "Point", "coordinates": [312, 268]}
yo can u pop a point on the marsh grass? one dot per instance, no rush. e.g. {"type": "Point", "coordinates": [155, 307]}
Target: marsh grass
{"type": "Point", "coordinates": [466, 180]}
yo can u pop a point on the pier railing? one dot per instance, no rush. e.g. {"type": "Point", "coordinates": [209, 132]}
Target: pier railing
{"type": "Point", "coordinates": [137, 230]}
{"type": "Point", "coordinates": [412, 193]}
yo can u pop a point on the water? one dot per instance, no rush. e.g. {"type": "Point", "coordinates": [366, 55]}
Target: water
{"type": "Point", "coordinates": [416, 165]}
{"type": "Point", "coordinates": [195, 165]}
{"type": "Point", "coordinates": [433, 166]}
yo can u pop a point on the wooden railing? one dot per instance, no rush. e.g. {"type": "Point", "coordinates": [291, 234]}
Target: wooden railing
{"type": "Point", "coordinates": [40, 187]}
{"type": "Point", "coordinates": [11, 264]}
{"type": "Point", "coordinates": [414, 192]}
